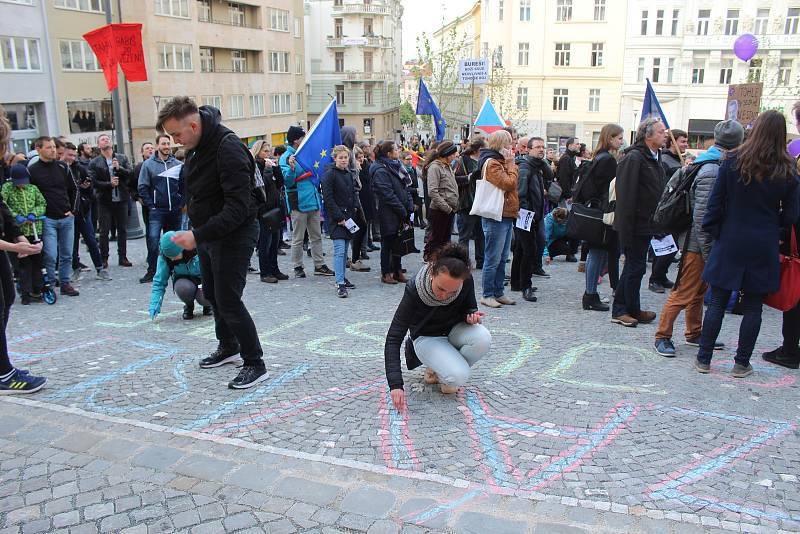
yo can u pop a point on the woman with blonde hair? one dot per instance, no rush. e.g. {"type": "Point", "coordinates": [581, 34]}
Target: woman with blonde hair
{"type": "Point", "coordinates": [269, 236]}
{"type": "Point", "coordinates": [497, 166]}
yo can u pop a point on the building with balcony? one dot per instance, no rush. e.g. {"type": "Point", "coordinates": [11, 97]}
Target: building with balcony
{"type": "Point", "coordinates": [686, 50]}
{"type": "Point", "coordinates": [355, 58]}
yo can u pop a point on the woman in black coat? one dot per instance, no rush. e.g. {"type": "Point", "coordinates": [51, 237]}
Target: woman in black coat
{"type": "Point", "coordinates": [390, 184]}
{"type": "Point", "coordinates": [268, 235]}
{"type": "Point", "coordinates": [756, 193]}
{"type": "Point", "coordinates": [342, 205]}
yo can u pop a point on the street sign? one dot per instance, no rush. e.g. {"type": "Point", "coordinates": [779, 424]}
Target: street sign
{"type": "Point", "coordinates": [744, 103]}
{"type": "Point", "coordinates": [473, 71]}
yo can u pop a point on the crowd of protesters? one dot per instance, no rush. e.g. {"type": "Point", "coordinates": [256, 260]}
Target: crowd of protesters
{"type": "Point", "coordinates": [371, 198]}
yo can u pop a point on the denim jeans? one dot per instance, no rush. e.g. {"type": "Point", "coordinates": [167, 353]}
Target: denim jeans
{"type": "Point", "coordinates": [627, 300]}
{"type": "Point", "coordinates": [58, 237]}
{"type": "Point", "coordinates": [84, 227]}
{"type": "Point", "coordinates": [748, 329]}
{"type": "Point", "coordinates": [340, 259]}
{"type": "Point", "coordinates": [267, 250]}
{"type": "Point", "coordinates": [451, 357]}
{"type": "Point", "coordinates": [498, 245]}
{"type": "Point", "coordinates": [159, 220]}
{"type": "Point", "coordinates": [595, 261]}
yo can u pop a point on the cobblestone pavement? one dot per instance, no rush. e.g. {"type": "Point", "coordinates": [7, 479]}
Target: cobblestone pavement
{"type": "Point", "coordinates": [571, 424]}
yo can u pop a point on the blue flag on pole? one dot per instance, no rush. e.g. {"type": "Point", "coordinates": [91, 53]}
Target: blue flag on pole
{"type": "Point", "coordinates": [426, 106]}
{"type": "Point", "coordinates": [651, 107]}
{"type": "Point", "coordinates": [316, 151]}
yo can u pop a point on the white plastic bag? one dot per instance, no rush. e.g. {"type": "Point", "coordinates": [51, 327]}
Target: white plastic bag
{"type": "Point", "coordinates": [489, 199]}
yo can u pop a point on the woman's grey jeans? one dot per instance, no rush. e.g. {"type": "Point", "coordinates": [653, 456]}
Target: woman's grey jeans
{"type": "Point", "coordinates": [188, 292]}
{"type": "Point", "coordinates": [451, 357]}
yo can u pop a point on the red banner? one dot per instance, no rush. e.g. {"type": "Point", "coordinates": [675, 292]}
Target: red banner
{"type": "Point", "coordinates": [119, 44]}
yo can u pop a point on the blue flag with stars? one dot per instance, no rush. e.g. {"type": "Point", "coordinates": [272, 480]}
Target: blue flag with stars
{"type": "Point", "coordinates": [651, 106]}
{"type": "Point", "coordinates": [316, 151]}
{"type": "Point", "coordinates": [426, 106]}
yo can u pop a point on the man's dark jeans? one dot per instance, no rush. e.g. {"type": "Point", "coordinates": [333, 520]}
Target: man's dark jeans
{"type": "Point", "coordinates": [524, 261]}
{"type": "Point", "coordinates": [223, 264]}
{"type": "Point", "coordinates": [748, 329]}
{"type": "Point", "coordinates": [159, 220]}
{"type": "Point", "coordinates": [84, 228]}
{"type": "Point", "coordinates": [626, 298]}
{"type": "Point", "coordinates": [268, 241]}
{"type": "Point", "coordinates": [116, 214]}
{"type": "Point", "coordinates": [660, 267]}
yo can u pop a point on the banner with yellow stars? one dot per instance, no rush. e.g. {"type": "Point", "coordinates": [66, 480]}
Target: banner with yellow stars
{"type": "Point", "coordinates": [316, 151]}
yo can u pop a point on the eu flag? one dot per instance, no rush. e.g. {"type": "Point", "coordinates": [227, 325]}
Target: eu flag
{"type": "Point", "coordinates": [426, 106]}
{"type": "Point", "coordinates": [316, 151]}
{"type": "Point", "coordinates": [651, 107]}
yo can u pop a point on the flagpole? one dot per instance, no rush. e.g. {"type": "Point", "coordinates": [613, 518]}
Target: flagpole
{"type": "Point", "coordinates": [675, 144]}
{"type": "Point", "coordinates": [117, 129]}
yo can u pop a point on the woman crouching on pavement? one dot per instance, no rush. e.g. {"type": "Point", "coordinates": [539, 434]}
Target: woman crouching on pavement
{"type": "Point", "coordinates": [183, 266]}
{"type": "Point", "coordinates": [440, 314]}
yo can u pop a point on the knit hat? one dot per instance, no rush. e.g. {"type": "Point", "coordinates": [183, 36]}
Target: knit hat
{"type": "Point", "coordinates": [294, 133]}
{"type": "Point", "coordinates": [168, 247]}
{"type": "Point", "coordinates": [728, 134]}
{"type": "Point", "coordinates": [20, 174]}
{"type": "Point", "coordinates": [445, 149]}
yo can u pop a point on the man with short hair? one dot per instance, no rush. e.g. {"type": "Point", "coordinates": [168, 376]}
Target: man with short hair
{"type": "Point", "coordinates": [522, 147]}
{"type": "Point", "coordinates": [111, 173]}
{"type": "Point", "coordinates": [567, 167]}
{"type": "Point", "coordinates": [162, 196]}
{"type": "Point", "coordinates": [220, 185]}
{"type": "Point", "coordinates": [59, 191]}
{"type": "Point", "coordinates": [83, 221]}
{"type": "Point", "coordinates": [640, 179]}
{"type": "Point", "coordinates": [147, 150]}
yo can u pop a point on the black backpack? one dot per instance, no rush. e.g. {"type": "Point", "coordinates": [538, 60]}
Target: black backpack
{"type": "Point", "coordinates": [673, 214]}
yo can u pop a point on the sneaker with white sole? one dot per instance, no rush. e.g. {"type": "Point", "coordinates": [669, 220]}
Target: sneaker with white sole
{"type": "Point", "coordinates": [103, 274]}
{"type": "Point", "coordinates": [491, 302]}
{"type": "Point", "coordinates": [220, 357]}
{"type": "Point", "coordinates": [19, 382]}
{"type": "Point", "coordinates": [508, 301]}
{"type": "Point", "coordinates": [248, 377]}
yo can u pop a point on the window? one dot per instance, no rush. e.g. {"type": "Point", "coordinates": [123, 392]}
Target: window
{"type": "Point", "coordinates": [525, 10]}
{"type": "Point", "coordinates": [368, 28]}
{"type": "Point", "coordinates": [660, 22]}
{"type": "Point", "coordinates": [597, 54]}
{"type": "Point", "coordinates": [792, 18]}
{"type": "Point", "coordinates": [236, 110]}
{"type": "Point", "coordinates": [339, 62]}
{"type": "Point", "coordinates": [80, 5]}
{"type": "Point", "coordinates": [522, 98]}
{"type": "Point", "coordinates": [77, 55]}
{"type": "Point", "coordinates": [785, 72]}
{"type": "Point", "coordinates": [594, 99]}
{"type": "Point", "coordinates": [299, 101]}
{"type": "Point", "coordinates": [562, 54]}
{"type": "Point", "coordinates": [725, 71]}
{"type": "Point", "coordinates": [26, 2]}
{"type": "Point", "coordinates": [500, 7]}
{"type": "Point", "coordinates": [368, 90]}
{"type": "Point", "coordinates": [297, 32]}
{"type": "Point", "coordinates": [281, 103]}
{"type": "Point", "coordinates": [236, 14]}
{"type": "Point", "coordinates": [640, 70]}
{"type": "Point", "coordinates": [560, 99]}
{"type": "Point", "coordinates": [340, 95]}
{"type": "Point", "coordinates": [761, 22]}
{"type": "Point", "coordinates": [337, 28]}
{"type": "Point", "coordinates": [643, 30]}
{"type": "Point", "coordinates": [174, 57]}
{"type": "Point", "coordinates": [698, 71]}
{"type": "Point", "coordinates": [676, 13]}
{"type": "Point", "coordinates": [204, 10]}
{"type": "Point", "coordinates": [278, 20]}
{"type": "Point", "coordinates": [599, 9]}
{"type": "Point", "coordinates": [238, 61]}
{"type": "Point", "coordinates": [670, 69]}
{"type": "Point", "coordinates": [214, 101]}
{"type": "Point", "coordinates": [732, 22]}
{"type": "Point", "coordinates": [523, 54]}
{"type": "Point", "coordinates": [279, 61]}
{"type": "Point", "coordinates": [754, 71]}
{"type": "Point", "coordinates": [368, 62]}
{"type": "Point", "coordinates": [84, 116]}
{"type": "Point", "coordinates": [656, 69]}
{"type": "Point", "coordinates": [206, 60]}
{"type": "Point", "coordinates": [172, 8]}
{"type": "Point", "coordinates": [703, 17]}
{"type": "Point", "coordinates": [563, 10]}
{"type": "Point", "coordinates": [257, 106]}
{"type": "Point", "coordinates": [298, 64]}
{"type": "Point", "coordinates": [19, 54]}
{"type": "Point", "coordinates": [497, 57]}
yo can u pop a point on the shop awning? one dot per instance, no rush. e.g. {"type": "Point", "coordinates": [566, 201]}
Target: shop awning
{"type": "Point", "coordinates": [702, 126]}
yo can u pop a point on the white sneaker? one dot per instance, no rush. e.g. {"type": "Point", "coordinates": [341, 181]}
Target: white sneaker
{"type": "Point", "coordinates": [605, 300]}
{"type": "Point", "coordinates": [102, 274]}
{"type": "Point", "coordinates": [506, 300]}
{"type": "Point", "coordinates": [491, 302]}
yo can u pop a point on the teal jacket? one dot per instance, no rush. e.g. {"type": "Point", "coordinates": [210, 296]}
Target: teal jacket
{"type": "Point", "coordinates": [308, 197]}
{"type": "Point", "coordinates": [553, 231]}
{"type": "Point", "coordinates": [163, 275]}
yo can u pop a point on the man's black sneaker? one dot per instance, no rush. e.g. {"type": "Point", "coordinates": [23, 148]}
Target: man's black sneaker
{"type": "Point", "coordinates": [667, 283]}
{"type": "Point", "coordinates": [188, 312]}
{"type": "Point", "coordinates": [281, 276]}
{"type": "Point", "coordinates": [655, 287]}
{"type": "Point", "coordinates": [572, 259]}
{"type": "Point", "coordinates": [207, 311]}
{"type": "Point", "coordinates": [323, 270]}
{"type": "Point", "coordinates": [528, 295]}
{"type": "Point", "coordinates": [221, 356]}
{"type": "Point", "coordinates": [248, 377]}
{"type": "Point", "coordinates": [341, 291]}
{"type": "Point", "coordinates": [25, 299]}
{"type": "Point", "coordinates": [147, 278]}
{"type": "Point", "coordinates": [348, 284]}
{"type": "Point", "coordinates": [539, 273]}
{"type": "Point", "coordinates": [284, 245]}
{"type": "Point", "coordinates": [299, 272]}
{"type": "Point", "coordinates": [19, 382]}
{"type": "Point", "coordinates": [81, 267]}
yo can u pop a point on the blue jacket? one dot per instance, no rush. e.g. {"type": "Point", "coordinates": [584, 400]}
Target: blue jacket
{"type": "Point", "coordinates": [553, 231]}
{"type": "Point", "coordinates": [745, 222]}
{"type": "Point", "coordinates": [163, 275]}
{"type": "Point", "coordinates": [303, 195]}
{"type": "Point", "coordinates": [157, 191]}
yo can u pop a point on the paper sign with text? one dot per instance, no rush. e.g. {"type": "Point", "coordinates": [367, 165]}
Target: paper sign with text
{"type": "Point", "coordinates": [662, 247]}
{"type": "Point", "coordinates": [525, 219]}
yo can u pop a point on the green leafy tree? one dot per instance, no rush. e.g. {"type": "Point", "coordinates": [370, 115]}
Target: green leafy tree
{"type": "Point", "coordinates": [407, 116]}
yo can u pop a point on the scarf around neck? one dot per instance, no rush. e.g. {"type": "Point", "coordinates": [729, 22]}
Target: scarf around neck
{"type": "Point", "coordinates": [424, 286]}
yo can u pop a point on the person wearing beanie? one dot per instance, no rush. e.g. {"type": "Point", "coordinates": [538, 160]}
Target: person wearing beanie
{"type": "Point", "coordinates": [183, 267]}
{"type": "Point", "coordinates": [443, 191]}
{"type": "Point", "coordinates": [688, 293]}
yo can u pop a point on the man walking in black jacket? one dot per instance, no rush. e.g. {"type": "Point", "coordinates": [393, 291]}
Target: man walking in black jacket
{"type": "Point", "coordinates": [640, 179]}
{"type": "Point", "coordinates": [567, 168]}
{"type": "Point", "coordinates": [219, 186]}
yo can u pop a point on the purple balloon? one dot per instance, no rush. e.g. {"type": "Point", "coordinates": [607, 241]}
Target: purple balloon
{"type": "Point", "coordinates": [794, 148]}
{"type": "Point", "coordinates": [746, 47]}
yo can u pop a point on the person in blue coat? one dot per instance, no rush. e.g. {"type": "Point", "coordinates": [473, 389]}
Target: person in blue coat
{"type": "Point", "coordinates": [183, 266]}
{"type": "Point", "coordinates": [756, 193]}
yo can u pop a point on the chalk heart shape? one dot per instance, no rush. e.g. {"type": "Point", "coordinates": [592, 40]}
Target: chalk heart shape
{"type": "Point", "coordinates": [562, 369]}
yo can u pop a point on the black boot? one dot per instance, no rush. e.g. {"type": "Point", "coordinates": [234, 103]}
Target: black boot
{"type": "Point", "coordinates": [528, 295]}
{"type": "Point", "coordinates": [780, 357]}
{"type": "Point", "coordinates": [188, 312]}
{"type": "Point", "coordinates": [592, 302]}
{"type": "Point", "coordinates": [207, 311]}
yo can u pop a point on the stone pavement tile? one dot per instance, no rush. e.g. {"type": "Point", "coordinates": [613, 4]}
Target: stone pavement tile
{"type": "Point", "coordinates": [189, 518]}
{"type": "Point", "coordinates": [253, 477]}
{"type": "Point", "coordinates": [554, 528]}
{"type": "Point", "coordinates": [116, 448]}
{"type": "Point", "coordinates": [10, 530]}
{"type": "Point", "coordinates": [205, 467]}
{"type": "Point", "coordinates": [368, 501]}
{"type": "Point", "coordinates": [416, 506]}
{"type": "Point", "coordinates": [384, 526]}
{"type": "Point", "coordinates": [477, 523]}
{"type": "Point", "coordinates": [34, 527]}
{"type": "Point", "coordinates": [157, 457]}
{"type": "Point", "coordinates": [209, 527]}
{"type": "Point", "coordinates": [67, 519]}
{"type": "Point", "coordinates": [114, 523]}
{"type": "Point", "coordinates": [281, 526]}
{"type": "Point", "coordinates": [326, 516]}
{"type": "Point", "coordinates": [239, 521]}
{"type": "Point", "coordinates": [305, 490]}
{"type": "Point", "coordinates": [84, 528]}
{"type": "Point", "coordinates": [78, 441]}
{"type": "Point", "coordinates": [620, 522]}
{"type": "Point", "coordinates": [359, 523]}
{"type": "Point", "coordinates": [23, 515]}
{"type": "Point", "coordinates": [211, 511]}
{"type": "Point", "coordinates": [162, 526]}
{"type": "Point", "coordinates": [127, 503]}
{"type": "Point", "coordinates": [96, 511]}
